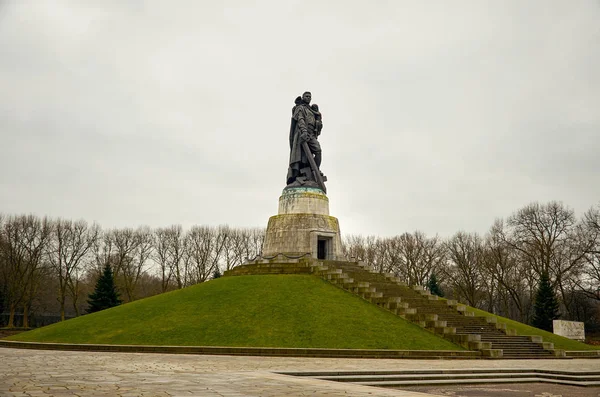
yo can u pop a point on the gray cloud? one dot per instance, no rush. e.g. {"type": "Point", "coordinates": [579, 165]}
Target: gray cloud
{"type": "Point", "coordinates": [438, 116]}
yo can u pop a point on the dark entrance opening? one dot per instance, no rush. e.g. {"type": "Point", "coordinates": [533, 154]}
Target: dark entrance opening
{"type": "Point", "coordinates": [321, 249]}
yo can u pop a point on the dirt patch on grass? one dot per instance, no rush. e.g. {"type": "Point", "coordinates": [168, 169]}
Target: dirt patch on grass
{"type": "Point", "coordinates": [5, 332]}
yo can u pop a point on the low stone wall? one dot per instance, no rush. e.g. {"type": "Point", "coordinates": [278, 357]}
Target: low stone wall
{"type": "Point", "coordinates": [269, 268]}
{"type": "Point", "coordinates": [250, 351]}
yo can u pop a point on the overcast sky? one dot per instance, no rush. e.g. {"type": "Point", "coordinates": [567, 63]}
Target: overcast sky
{"type": "Point", "coordinates": [438, 115]}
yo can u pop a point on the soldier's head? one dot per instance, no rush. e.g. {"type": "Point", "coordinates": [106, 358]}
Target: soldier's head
{"type": "Point", "coordinates": [306, 97]}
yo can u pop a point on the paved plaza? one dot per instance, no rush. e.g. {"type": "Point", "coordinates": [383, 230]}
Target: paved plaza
{"type": "Point", "coordinates": [65, 373]}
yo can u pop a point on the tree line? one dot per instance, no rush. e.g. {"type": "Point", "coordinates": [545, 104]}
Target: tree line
{"type": "Point", "coordinates": [500, 271]}
{"type": "Point", "coordinates": [51, 265]}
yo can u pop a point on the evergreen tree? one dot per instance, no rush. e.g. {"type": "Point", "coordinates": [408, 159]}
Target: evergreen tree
{"type": "Point", "coordinates": [217, 273]}
{"type": "Point", "coordinates": [546, 305]}
{"type": "Point", "coordinates": [433, 286]}
{"type": "Point", "coordinates": [105, 294]}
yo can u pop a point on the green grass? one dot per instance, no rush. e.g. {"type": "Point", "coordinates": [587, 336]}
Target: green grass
{"type": "Point", "coordinates": [560, 342]}
{"type": "Point", "coordinates": [261, 311]}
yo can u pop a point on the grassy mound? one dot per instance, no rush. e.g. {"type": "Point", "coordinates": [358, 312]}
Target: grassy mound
{"type": "Point", "coordinates": [262, 311]}
{"type": "Point", "coordinates": [560, 342]}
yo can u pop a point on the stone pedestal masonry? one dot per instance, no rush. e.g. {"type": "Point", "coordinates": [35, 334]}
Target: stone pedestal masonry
{"type": "Point", "coordinates": [303, 227]}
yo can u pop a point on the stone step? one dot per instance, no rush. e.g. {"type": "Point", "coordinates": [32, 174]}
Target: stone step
{"type": "Point", "coordinates": [397, 305]}
{"type": "Point", "coordinates": [424, 316]}
{"type": "Point", "coordinates": [514, 339]}
{"type": "Point", "coordinates": [507, 339]}
{"type": "Point", "coordinates": [510, 344]}
{"type": "Point", "coordinates": [442, 376]}
{"type": "Point", "coordinates": [345, 282]}
{"type": "Point", "coordinates": [448, 318]}
{"type": "Point", "coordinates": [509, 348]}
{"type": "Point", "coordinates": [387, 299]}
{"type": "Point", "coordinates": [403, 311]}
{"type": "Point", "coordinates": [395, 384]}
{"type": "Point", "coordinates": [457, 376]}
{"type": "Point", "coordinates": [361, 290]}
{"type": "Point", "coordinates": [372, 295]}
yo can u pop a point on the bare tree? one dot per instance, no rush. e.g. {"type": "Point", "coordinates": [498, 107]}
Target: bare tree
{"type": "Point", "coordinates": [255, 243]}
{"type": "Point", "coordinates": [70, 243]}
{"type": "Point", "coordinates": [24, 239]}
{"type": "Point", "coordinates": [537, 230]}
{"type": "Point", "coordinates": [548, 240]}
{"type": "Point", "coordinates": [133, 265]}
{"type": "Point", "coordinates": [569, 264]}
{"type": "Point", "coordinates": [163, 254]}
{"type": "Point", "coordinates": [413, 257]}
{"type": "Point", "coordinates": [128, 252]}
{"type": "Point", "coordinates": [465, 254]}
{"type": "Point", "coordinates": [234, 252]}
{"type": "Point", "coordinates": [367, 249]}
{"type": "Point", "coordinates": [119, 250]}
{"type": "Point", "coordinates": [589, 282]}
{"type": "Point", "coordinates": [170, 255]}
{"type": "Point", "coordinates": [103, 251]}
{"type": "Point", "coordinates": [507, 271]}
{"type": "Point", "coordinates": [353, 247]}
{"type": "Point", "coordinates": [240, 245]}
{"type": "Point", "coordinates": [434, 259]}
{"type": "Point", "coordinates": [177, 250]}
{"type": "Point", "coordinates": [204, 247]}
{"type": "Point", "coordinates": [6, 273]}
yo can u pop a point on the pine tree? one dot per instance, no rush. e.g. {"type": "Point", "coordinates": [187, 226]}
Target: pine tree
{"type": "Point", "coordinates": [433, 286]}
{"type": "Point", "coordinates": [105, 294]}
{"type": "Point", "coordinates": [216, 273]}
{"type": "Point", "coordinates": [546, 305]}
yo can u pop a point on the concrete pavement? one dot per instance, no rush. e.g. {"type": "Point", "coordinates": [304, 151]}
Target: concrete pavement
{"type": "Point", "coordinates": [67, 373]}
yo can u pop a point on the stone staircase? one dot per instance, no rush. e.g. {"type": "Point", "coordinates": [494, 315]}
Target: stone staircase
{"type": "Point", "coordinates": [446, 318]}
{"type": "Point", "coordinates": [397, 379]}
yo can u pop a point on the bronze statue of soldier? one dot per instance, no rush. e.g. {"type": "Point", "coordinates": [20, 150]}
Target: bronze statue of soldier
{"type": "Point", "coordinates": [305, 150]}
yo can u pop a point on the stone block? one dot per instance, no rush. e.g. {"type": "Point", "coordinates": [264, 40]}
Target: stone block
{"type": "Point", "coordinates": [480, 345]}
{"type": "Point", "coordinates": [396, 305]}
{"type": "Point", "coordinates": [492, 353]}
{"type": "Point", "coordinates": [436, 324]}
{"type": "Point", "coordinates": [548, 345]}
{"type": "Point", "coordinates": [569, 329]}
{"type": "Point", "coordinates": [563, 353]}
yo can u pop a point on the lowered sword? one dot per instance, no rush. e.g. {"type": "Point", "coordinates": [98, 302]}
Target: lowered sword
{"type": "Point", "coordinates": [314, 167]}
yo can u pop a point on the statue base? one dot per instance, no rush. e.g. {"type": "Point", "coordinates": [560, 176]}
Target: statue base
{"type": "Point", "coordinates": [303, 227]}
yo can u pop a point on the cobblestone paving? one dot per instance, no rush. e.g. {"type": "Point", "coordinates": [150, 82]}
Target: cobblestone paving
{"type": "Point", "coordinates": [63, 373]}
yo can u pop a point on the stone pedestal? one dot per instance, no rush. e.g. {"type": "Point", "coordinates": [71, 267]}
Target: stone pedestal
{"type": "Point", "coordinates": [303, 227]}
